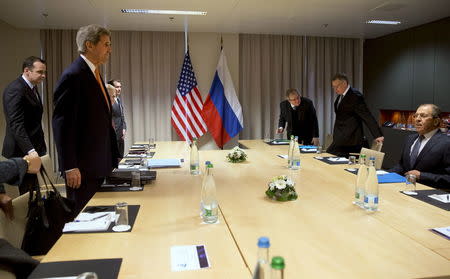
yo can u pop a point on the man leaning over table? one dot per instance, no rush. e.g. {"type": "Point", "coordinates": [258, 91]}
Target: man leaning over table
{"type": "Point", "coordinates": [427, 153]}
{"type": "Point", "coordinates": [82, 122]}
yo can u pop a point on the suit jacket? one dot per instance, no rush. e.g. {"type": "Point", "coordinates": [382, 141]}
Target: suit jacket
{"type": "Point", "coordinates": [118, 118]}
{"type": "Point", "coordinates": [306, 116]}
{"type": "Point", "coordinates": [433, 161]}
{"type": "Point", "coordinates": [12, 171]}
{"type": "Point", "coordinates": [348, 126]}
{"type": "Point", "coordinates": [23, 113]}
{"type": "Point", "coordinates": [82, 123]}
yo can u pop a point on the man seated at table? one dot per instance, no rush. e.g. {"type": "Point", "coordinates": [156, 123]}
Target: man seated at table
{"type": "Point", "coordinates": [427, 153]}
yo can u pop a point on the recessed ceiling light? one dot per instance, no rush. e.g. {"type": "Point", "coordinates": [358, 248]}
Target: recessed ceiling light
{"type": "Point", "coordinates": [162, 12]}
{"type": "Point", "coordinates": [376, 21]}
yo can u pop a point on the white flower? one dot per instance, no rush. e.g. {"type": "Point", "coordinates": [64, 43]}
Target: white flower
{"type": "Point", "coordinates": [271, 185]}
{"type": "Point", "coordinates": [280, 184]}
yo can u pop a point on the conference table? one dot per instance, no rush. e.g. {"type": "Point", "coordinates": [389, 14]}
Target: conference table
{"type": "Point", "coordinates": [320, 235]}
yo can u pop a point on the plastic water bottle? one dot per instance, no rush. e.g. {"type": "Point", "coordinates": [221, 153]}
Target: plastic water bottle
{"type": "Point", "coordinates": [360, 181]}
{"type": "Point", "coordinates": [295, 162]}
{"type": "Point", "coordinates": [203, 186]}
{"type": "Point", "coordinates": [262, 270]}
{"type": "Point", "coordinates": [194, 164]}
{"type": "Point", "coordinates": [291, 148]}
{"type": "Point", "coordinates": [277, 268]}
{"type": "Point", "coordinates": [371, 188]}
{"type": "Point", "coordinates": [210, 210]}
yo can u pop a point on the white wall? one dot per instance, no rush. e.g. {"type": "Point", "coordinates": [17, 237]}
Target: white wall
{"type": "Point", "coordinates": [16, 45]}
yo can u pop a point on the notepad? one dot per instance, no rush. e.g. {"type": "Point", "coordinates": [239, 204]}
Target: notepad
{"type": "Point", "coordinates": [390, 177]}
{"type": "Point", "coordinates": [98, 221]}
{"type": "Point", "coordinates": [164, 163]}
{"type": "Point", "coordinates": [337, 159]}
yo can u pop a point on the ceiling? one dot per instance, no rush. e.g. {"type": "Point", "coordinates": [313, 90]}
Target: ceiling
{"type": "Point", "coordinates": [340, 18]}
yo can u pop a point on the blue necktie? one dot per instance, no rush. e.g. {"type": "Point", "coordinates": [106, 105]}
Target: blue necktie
{"type": "Point", "coordinates": [415, 150]}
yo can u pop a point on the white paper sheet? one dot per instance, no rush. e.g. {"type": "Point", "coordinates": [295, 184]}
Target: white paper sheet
{"type": "Point", "coordinates": [445, 198]}
{"type": "Point", "coordinates": [445, 231]}
{"type": "Point", "coordinates": [163, 163]}
{"type": "Point", "coordinates": [98, 221]}
{"type": "Point", "coordinates": [337, 159]}
{"type": "Point", "coordinates": [188, 258]}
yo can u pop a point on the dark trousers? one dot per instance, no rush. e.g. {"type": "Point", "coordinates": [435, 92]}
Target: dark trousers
{"type": "Point", "coordinates": [343, 151]}
{"type": "Point", "coordinates": [121, 146]}
{"type": "Point", "coordinates": [29, 181]}
{"type": "Point", "coordinates": [81, 196]}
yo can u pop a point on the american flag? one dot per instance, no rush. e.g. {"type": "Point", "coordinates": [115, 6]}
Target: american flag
{"type": "Point", "coordinates": [188, 104]}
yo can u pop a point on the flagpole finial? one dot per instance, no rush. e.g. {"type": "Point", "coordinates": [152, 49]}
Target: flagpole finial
{"type": "Point", "coordinates": [221, 42]}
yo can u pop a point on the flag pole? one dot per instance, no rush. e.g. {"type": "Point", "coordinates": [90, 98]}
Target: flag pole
{"type": "Point", "coordinates": [186, 23]}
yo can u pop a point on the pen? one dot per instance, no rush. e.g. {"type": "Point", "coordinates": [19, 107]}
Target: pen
{"type": "Point", "coordinates": [93, 219]}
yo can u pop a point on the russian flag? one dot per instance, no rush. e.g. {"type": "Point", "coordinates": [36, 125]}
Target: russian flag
{"type": "Point", "coordinates": [222, 111]}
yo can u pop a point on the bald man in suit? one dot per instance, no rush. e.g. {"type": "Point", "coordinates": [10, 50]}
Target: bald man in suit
{"type": "Point", "coordinates": [82, 122]}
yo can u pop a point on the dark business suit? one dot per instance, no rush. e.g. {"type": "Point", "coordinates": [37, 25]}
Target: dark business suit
{"type": "Point", "coordinates": [304, 125]}
{"type": "Point", "coordinates": [82, 127]}
{"type": "Point", "coordinates": [119, 124]}
{"type": "Point", "coordinates": [12, 171]}
{"type": "Point", "coordinates": [23, 113]}
{"type": "Point", "coordinates": [348, 135]}
{"type": "Point", "coordinates": [433, 161]}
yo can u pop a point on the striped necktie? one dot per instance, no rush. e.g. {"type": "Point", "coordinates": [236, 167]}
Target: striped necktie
{"type": "Point", "coordinates": [415, 150]}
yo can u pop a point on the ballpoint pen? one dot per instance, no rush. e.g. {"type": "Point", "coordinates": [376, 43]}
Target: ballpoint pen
{"type": "Point", "coordinates": [93, 219]}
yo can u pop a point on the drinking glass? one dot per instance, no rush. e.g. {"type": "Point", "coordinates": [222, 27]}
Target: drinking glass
{"type": "Point", "coordinates": [121, 222]}
{"type": "Point", "coordinates": [351, 160]}
{"type": "Point", "coordinates": [151, 143]}
{"type": "Point", "coordinates": [136, 181]}
{"type": "Point", "coordinates": [410, 184]}
{"type": "Point", "coordinates": [319, 149]}
{"type": "Point", "coordinates": [87, 275]}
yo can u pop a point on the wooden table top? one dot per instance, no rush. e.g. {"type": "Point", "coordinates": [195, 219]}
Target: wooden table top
{"type": "Point", "coordinates": [320, 235]}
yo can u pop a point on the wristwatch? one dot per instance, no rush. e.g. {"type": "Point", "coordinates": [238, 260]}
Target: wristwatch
{"type": "Point", "coordinates": [28, 163]}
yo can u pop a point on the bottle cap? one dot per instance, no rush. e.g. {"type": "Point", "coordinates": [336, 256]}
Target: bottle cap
{"type": "Point", "coordinates": [363, 155]}
{"type": "Point", "coordinates": [372, 158]}
{"type": "Point", "coordinates": [277, 263]}
{"type": "Point", "coordinates": [263, 242]}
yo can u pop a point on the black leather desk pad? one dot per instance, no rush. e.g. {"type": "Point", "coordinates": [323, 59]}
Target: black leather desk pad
{"type": "Point", "coordinates": [104, 268]}
{"type": "Point", "coordinates": [132, 215]}
{"type": "Point", "coordinates": [423, 195]}
{"type": "Point", "coordinates": [324, 159]}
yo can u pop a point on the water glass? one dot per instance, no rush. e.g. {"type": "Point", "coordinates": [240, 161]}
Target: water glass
{"type": "Point", "coordinates": [410, 184]}
{"type": "Point", "coordinates": [135, 179]}
{"type": "Point", "coordinates": [151, 143]}
{"type": "Point", "coordinates": [87, 275]}
{"type": "Point", "coordinates": [351, 160]}
{"type": "Point", "coordinates": [319, 149]}
{"type": "Point", "coordinates": [121, 222]}
{"type": "Point", "coordinates": [267, 137]}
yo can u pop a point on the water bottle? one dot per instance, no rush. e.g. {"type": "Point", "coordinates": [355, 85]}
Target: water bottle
{"type": "Point", "coordinates": [194, 165]}
{"type": "Point", "coordinates": [203, 186]}
{"type": "Point", "coordinates": [262, 265]}
{"type": "Point", "coordinates": [277, 268]}
{"type": "Point", "coordinates": [291, 148]}
{"type": "Point", "coordinates": [210, 212]}
{"type": "Point", "coordinates": [295, 162]}
{"type": "Point", "coordinates": [360, 181]}
{"type": "Point", "coordinates": [371, 188]}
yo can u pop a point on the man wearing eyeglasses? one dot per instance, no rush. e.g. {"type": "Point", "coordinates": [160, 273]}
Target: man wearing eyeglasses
{"type": "Point", "coordinates": [351, 112]}
{"type": "Point", "coordinates": [427, 153]}
{"type": "Point", "coordinates": [301, 118]}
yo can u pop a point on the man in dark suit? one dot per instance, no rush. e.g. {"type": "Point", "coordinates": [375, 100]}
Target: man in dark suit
{"type": "Point", "coordinates": [351, 111]}
{"type": "Point", "coordinates": [82, 123]}
{"type": "Point", "coordinates": [23, 110]}
{"type": "Point", "coordinates": [427, 153]}
{"type": "Point", "coordinates": [120, 126]}
{"type": "Point", "coordinates": [301, 118]}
